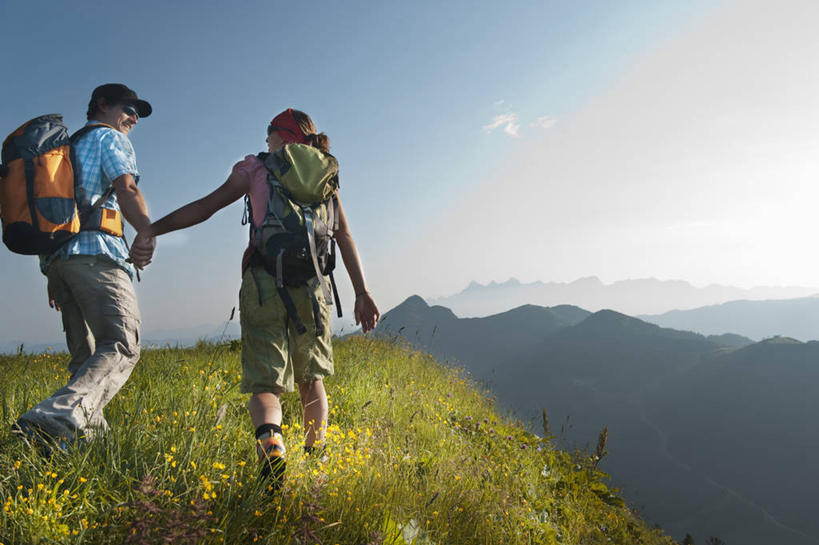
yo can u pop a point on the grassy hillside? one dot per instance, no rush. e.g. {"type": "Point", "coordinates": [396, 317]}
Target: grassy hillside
{"type": "Point", "coordinates": [415, 454]}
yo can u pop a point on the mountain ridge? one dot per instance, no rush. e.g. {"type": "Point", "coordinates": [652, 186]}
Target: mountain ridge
{"type": "Point", "coordinates": [796, 317]}
{"type": "Point", "coordinates": [640, 296]}
{"type": "Point", "coordinates": [655, 388]}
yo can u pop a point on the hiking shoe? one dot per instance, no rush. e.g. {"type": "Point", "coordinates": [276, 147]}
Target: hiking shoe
{"type": "Point", "coordinates": [270, 448]}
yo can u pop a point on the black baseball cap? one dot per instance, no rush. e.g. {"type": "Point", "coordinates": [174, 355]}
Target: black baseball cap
{"type": "Point", "coordinates": [119, 93]}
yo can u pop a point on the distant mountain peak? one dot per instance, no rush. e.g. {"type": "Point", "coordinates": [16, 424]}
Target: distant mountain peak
{"type": "Point", "coordinates": [511, 283]}
{"type": "Point", "coordinates": [414, 308]}
{"type": "Point", "coordinates": [587, 281]}
{"type": "Point", "coordinates": [613, 317]}
{"type": "Point", "coordinates": [643, 297]}
{"type": "Point", "coordinates": [780, 340]}
{"type": "Point", "coordinates": [611, 321]}
{"type": "Point", "coordinates": [415, 301]}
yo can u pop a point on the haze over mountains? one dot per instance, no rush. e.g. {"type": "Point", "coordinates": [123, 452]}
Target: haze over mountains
{"type": "Point", "coordinates": [797, 318]}
{"type": "Point", "coordinates": [183, 336]}
{"type": "Point", "coordinates": [632, 297]}
{"type": "Point", "coordinates": [647, 298]}
{"type": "Point", "coordinates": [707, 435]}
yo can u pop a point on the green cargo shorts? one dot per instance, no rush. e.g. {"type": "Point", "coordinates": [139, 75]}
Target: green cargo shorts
{"type": "Point", "coordinates": [274, 354]}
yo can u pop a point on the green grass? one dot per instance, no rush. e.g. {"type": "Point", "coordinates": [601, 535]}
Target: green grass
{"type": "Point", "coordinates": [415, 454]}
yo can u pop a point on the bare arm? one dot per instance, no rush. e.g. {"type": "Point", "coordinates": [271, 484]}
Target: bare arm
{"type": "Point", "coordinates": [366, 311]}
{"type": "Point", "coordinates": [200, 210]}
{"type": "Point", "coordinates": [135, 211]}
{"type": "Point", "coordinates": [132, 203]}
{"type": "Point", "coordinates": [190, 214]}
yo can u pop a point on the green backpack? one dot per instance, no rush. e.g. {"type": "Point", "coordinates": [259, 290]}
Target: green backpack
{"type": "Point", "coordinates": [295, 241]}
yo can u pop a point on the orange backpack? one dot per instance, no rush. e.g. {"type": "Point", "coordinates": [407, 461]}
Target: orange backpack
{"type": "Point", "coordinates": [38, 209]}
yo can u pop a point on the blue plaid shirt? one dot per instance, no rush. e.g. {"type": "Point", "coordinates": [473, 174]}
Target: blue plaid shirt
{"type": "Point", "coordinates": [103, 155]}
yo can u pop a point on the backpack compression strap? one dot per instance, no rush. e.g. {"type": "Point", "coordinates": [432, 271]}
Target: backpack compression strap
{"type": "Point", "coordinates": [290, 307]}
{"type": "Point", "coordinates": [284, 294]}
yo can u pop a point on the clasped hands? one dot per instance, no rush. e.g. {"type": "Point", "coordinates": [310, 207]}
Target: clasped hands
{"type": "Point", "coordinates": [142, 250]}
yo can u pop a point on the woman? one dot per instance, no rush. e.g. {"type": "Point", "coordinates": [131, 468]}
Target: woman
{"type": "Point", "coordinates": [274, 353]}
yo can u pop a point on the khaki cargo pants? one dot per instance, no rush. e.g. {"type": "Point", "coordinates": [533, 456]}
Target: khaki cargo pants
{"type": "Point", "coordinates": [101, 321]}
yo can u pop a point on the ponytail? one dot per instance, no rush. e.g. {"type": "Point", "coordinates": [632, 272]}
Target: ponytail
{"type": "Point", "coordinates": [320, 141]}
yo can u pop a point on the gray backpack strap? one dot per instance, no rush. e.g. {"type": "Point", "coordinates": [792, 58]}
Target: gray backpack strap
{"type": "Point", "coordinates": [336, 213]}
{"type": "Point", "coordinates": [279, 270]}
{"type": "Point", "coordinates": [332, 208]}
{"type": "Point", "coordinates": [332, 216]}
{"type": "Point", "coordinates": [311, 239]}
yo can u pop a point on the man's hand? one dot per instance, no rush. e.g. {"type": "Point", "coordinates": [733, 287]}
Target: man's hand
{"type": "Point", "coordinates": [366, 313]}
{"type": "Point", "coordinates": [142, 250]}
{"type": "Point", "coordinates": [53, 302]}
{"type": "Point", "coordinates": [135, 211]}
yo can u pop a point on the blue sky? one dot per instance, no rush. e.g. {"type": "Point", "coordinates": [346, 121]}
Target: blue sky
{"type": "Point", "coordinates": [428, 106]}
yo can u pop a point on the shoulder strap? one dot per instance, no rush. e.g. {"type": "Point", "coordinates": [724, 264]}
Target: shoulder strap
{"type": "Point", "coordinates": [88, 128]}
{"type": "Point", "coordinates": [311, 242]}
{"type": "Point", "coordinates": [336, 214]}
{"type": "Point", "coordinates": [85, 214]}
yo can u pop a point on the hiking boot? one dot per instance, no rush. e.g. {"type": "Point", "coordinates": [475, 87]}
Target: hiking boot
{"type": "Point", "coordinates": [270, 448]}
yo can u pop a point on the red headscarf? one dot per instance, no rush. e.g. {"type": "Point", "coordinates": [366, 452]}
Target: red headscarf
{"type": "Point", "coordinates": [287, 128]}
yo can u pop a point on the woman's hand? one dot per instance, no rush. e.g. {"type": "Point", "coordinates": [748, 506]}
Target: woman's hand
{"type": "Point", "coordinates": [366, 313]}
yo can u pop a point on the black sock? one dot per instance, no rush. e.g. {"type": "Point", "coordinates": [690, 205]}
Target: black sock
{"type": "Point", "coordinates": [265, 428]}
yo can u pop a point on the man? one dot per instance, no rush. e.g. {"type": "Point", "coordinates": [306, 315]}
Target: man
{"type": "Point", "coordinates": [90, 277]}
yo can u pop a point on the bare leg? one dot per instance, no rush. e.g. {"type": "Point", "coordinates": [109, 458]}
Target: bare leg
{"type": "Point", "coordinates": [314, 402]}
{"type": "Point", "coordinates": [265, 408]}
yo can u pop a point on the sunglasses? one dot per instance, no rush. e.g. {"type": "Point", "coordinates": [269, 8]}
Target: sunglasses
{"type": "Point", "coordinates": [130, 110]}
{"type": "Point", "coordinates": [271, 128]}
